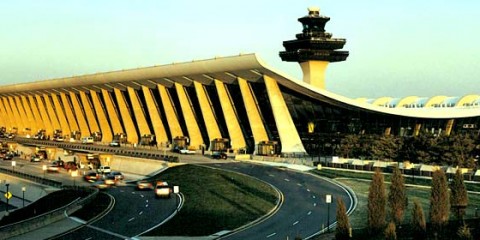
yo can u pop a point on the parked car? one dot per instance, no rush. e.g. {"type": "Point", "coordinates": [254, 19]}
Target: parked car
{"type": "Point", "coordinates": [219, 155]}
{"type": "Point", "coordinates": [91, 176]}
{"type": "Point", "coordinates": [35, 158]}
{"type": "Point", "coordinates": [144, 185]}
{"type": "Point", "coordinates": [162, 190]}
{"type": "Point", "coordinates": [104, 169]}
{"type": "Point", "coordinates": [114, 143]}
{"type": "Point", "coordinates": [116, 175]}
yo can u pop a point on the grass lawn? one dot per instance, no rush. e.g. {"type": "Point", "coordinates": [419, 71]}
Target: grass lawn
{"type": "Point", "coordinates": [215, 200]}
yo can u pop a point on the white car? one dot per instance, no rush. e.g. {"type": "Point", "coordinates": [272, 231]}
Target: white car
{"type": "Point", "coordinates": [187, 151]}
{"type": "Point", "coordinates": [104, 169]}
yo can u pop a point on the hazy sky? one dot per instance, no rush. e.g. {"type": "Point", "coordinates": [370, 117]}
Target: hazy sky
{"type": "Point", "coordinates": [397, 47]}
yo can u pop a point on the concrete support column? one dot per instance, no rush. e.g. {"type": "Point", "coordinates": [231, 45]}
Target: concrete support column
{"type": "Point", "coordinates": [27, 127]}
{"type": "Point", "coordinates": [138, 112]}
{"type": "Point", "coordinates": [29, 115]}
{"type": "Point", "coordinates": [51, 114]}
{"type": "Point", "coordinates": [36, 114]}
{"type": "Point", "coordinates": [258, 128]}
{"type": "Point", "coordinates": [79, 115]}
{"type": "Point", "coordinates": [61, 116]}
{"type": "Point", "coordinates": [18, 119]}
{"type": "Point", "coordinates": [71, 119]}
{"type": "Point", "coordinates": [190, 121]}
{"type": "Point", "coordinates": [7, 121]}
{"type": "Point", "coordinates": [171, 115]}
{"type": "Point", "coordinates": [88, 108]}
{"type": "Point", "coordinates": [211, 123]}
{"type": "Point", "coordinates": [112, 113]}
{"type": "Point", "coordinates": [449, 126]}
{"type": "Point", "coordinates": [44, 116]}
{"type": "Point", "coordinates": [8, 110]}
{"type": "Point", "coordinates": [102, 118]}
{"type": "Point", "coordinates": [290, 140]}
{"type": "Point", "coordinates": [237, 140]}
{"type": "Point", "coordinates": [130, 129]}
{"type": "Point", "coordinates": [153, 112]}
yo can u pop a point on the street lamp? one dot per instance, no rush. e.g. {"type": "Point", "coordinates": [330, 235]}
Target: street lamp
{"type": "Point", "coordinates": [44, 168]}
{"type": "Point", "coordinates": [328, 200]}
{"type": "Point", "coordinates": [13, 165]}
{"type": "Point", "coordinates": [23, 195]}
{"type": "Point", "coordinates": [74, 175]}
{"type": "Point", "coordinates": [6, 208]}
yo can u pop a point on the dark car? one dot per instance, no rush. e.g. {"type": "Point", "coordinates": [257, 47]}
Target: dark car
{"type": "Point", "coordinates": [91, 176]}
{"type": "Point", "coordinates": [116, 175]}
{"type": "Point", "coordinates": [219, 155]}
{"type": "Point", "coordinates": [59, 163]}
{"type": "Point", "coordinates": [70, 166]}
{"type": "Point", "coordinates": [8, 156]}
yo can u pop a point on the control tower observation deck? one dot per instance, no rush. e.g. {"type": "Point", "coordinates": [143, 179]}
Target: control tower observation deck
{"type": "Point", "coordinates": [314, 48]}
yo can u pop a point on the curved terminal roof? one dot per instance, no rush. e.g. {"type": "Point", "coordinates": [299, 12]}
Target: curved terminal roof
{"type": "Point", "coordinates": [227, 69]}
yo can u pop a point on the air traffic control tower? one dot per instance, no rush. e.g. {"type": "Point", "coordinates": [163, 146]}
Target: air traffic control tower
{"type": "Point", "coordinates": [314, 48]}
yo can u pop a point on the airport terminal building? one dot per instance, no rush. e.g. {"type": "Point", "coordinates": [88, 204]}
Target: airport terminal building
{"type": "Point", "coordinates": [237, 103]}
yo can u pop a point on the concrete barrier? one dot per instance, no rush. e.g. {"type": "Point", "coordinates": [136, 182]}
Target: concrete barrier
{"type": "Point", "coordinates": [134, 165]}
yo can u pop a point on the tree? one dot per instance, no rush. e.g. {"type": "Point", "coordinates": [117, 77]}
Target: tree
{"type": "Point", "coordinates": [458, 195]}
{"type": "Point", "coordinates": [343, 225]}
{"type": "Point", "coordinates": [391, 232]}
{"type": "Point", "coordinates": [397, 198]}
{"type": "Point", "coordinates": [419, 226]}
{"type": "Point", "coordinates": [439, 200]}
{"type": "Point", "coordinates": [376, 203]}
{"type": "Point", "coordinates": [348, 146]}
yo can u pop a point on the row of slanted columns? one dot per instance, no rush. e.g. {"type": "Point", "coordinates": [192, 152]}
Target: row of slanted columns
{"type": "Point", "coordinates": [111, 112]}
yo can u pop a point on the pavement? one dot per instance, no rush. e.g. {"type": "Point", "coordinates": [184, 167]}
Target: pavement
{"type": "Point", "coordinates": [70, 223]}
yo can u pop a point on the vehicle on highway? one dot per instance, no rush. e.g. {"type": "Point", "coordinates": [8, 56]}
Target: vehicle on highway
{"type": "Point", "coordinates": [59, 163]}
{"type": "Point", "coordinates": [218, 155]}
{"type": "Point", "coordinates": [104, 169]}
{"type": "Point", "coordinates": [187, 151]}
{"type": "Point", "coordinates": [118, 176]}
{"type": "Point", "coordinates": [109, 180]}
{"type": "Point", "coordinates": [53, 168]}
{"type": "Point", "coordinates": [8, 156]}
{"type": "Point", "coordinates": [144, 185]}
{"type": "Point", "coordinates": [162, 190]}
{"type": "Point", "coordinates": [87, 140]}
{"type": "Point", "coordinates": [100, 185]}
{"type": "Point", "coordinates": [114, 143]}
{"type": "Point", "coordinates": [91, 176]}
{"type": "Point", "coordinates": [70, 166]}
{"type": "Point", "coordinates": [35, 158]}
{"type": "Point", "coordinates": [59, 139]}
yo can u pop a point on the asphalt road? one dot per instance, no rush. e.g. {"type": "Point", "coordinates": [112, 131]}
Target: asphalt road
{"type": "Point", "coordinates": [304, 210]}
{"type": "Point", "coordinates": [134, 213]}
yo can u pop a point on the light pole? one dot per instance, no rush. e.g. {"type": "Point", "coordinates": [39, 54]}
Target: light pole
{"type": "Point", "coordinates": [13, 165]}
{"type": "Point", "coordinates": [328, 200]}
{"type": "Point", "coordinates": [6, 208]}
{"type": "Point", "coordinates": [74, 175]}
{"type": "Point", "coordinates": [23, 195]}
{"type": "Point", "coordinates": [44, 168]}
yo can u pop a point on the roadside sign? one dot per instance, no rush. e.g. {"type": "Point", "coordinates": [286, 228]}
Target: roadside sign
{"type": "Point", "coordinates": [176, 189]}
{"type": "Point", "coordinates": [328, 198]}
{"type": "Point", "coordinates": [8, 195]}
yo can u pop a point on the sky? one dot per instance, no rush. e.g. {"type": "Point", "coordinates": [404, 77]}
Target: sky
{"type": "Point", "coordinates": [397, 48]}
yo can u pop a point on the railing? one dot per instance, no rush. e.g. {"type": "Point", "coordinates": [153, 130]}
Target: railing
{"type": "Point", "coordinates": [32, 178]}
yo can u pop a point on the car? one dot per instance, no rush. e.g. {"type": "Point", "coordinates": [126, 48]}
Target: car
{"type": "Point", "coordinates": [144, 185]}
{"type": "Point", "coordinates": [53, 168]}
{"type": "Point", "coordinates": [8, 156]}
{"type": "Point", "coordinates": [162, 190]}
{"type": "Point", "coordinates": [100, 185]}
{"type": "Point", "coordinates": [59, 163]}
{"type": "Point", "coordinates": [187, 151]}
{"type": "Point", "coordinates": [116, 175]}
{"type": "Point", "coordinates": [59, 139]}
{"type": "Point", "coordinates": [114, 143]}
{"type": "Point", "coordinates": [35, 158]}
{"type": "Point", "coordinates": [70, 166]}
{"type": "Point", "coordinates": [104, 169]}
{"type": "Point", "coordinates": [91, 176]}
{"type": "Point", "coordinates": [109, 180]}
{"type": "Point", "coordinates": [219, 155]}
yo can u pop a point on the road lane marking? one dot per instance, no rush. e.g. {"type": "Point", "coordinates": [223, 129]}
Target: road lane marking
{"type": "Point", "coordinates": [314, 197]}
{"type": "Point", "coordinates": [146, 205]}
{"type": "Point", "coordinates": [309, 213]}
{"type": "Point", "coordinates": [271, 235]}
{"type": "Point", "coordinates": [308, 190]}
{"type": "Point", "coordinates": [287, 180]}
{"type": "Point", "coordinates": [271, 175]}
{"type": "Point", "coordinates": [107, 232]}
{"type": "Point", "coordinates": [314, 204]}
{"type": "Point", "coordinates": [140, 213]}
{"type": "Point", "coordinates": [141, 195]}
{"type": "Point", "coordinates": [131, 219]}
{"type": "Point", "coordinates": [146, 200]}
{"type": "Point", "coordinates": [295, 223]}
{"type": "Point", "coordinates": [299, 184]}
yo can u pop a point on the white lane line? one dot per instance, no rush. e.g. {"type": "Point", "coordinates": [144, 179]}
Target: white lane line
{"type": "Point", "coordinates": [271, 235]}
{"type": "Point", "coordinates": [146, 205]}
{"type": "Point", "coordinates": [131, 219]}
{"type": "Point", "coordinates": [295, 223]}
{"type": "Point", "coordinates": [314, 204]}
{"type": "Point", "coordinates": [88, 238]}
{"type": "Point", "coordinates": [287, 180]}
{"type": "Point", "coordinates": [308, 190]}
{"type": "Point", "coordinates": [309, 213]}
{"type": "Point", "coordinates": [314, 197]}
{"type": "Point", "coordinates": [146, 201]}
{"type": "Point", "coordinates": [133, 192]}
{"type": "Point", "coordinates": [141, 195]}
{"type": "Point", "coordinates": [271, 175]}
{"type": "Point", "coordinates": [107, 232]}
{"type": "Point", "coordinates": [140, 213]}
{"type": "Point", "coordinates": [298, 184]}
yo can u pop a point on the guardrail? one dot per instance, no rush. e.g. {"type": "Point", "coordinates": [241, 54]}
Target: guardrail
{"type": "Point", "coordinates": [42, 220]}
{"type": "Point", "coordinates": [32, 178]}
